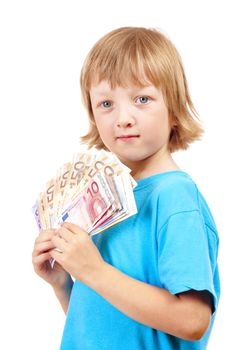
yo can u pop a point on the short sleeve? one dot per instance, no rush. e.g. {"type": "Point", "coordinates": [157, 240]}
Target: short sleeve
{"type": "Point", "coordinates": [187, 254]}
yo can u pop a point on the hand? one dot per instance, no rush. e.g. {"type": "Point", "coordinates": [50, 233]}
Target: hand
{"type": "Point", "coordinates": [56, 276]}
{"type": "Point", "coordinates": [77, 253]}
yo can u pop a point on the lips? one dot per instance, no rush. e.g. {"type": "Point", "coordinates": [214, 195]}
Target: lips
{"type": "Point", "coordinates": [127, 137]}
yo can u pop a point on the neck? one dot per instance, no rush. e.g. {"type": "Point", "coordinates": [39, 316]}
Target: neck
{"type": "Point", "coordinates": [159, 163]}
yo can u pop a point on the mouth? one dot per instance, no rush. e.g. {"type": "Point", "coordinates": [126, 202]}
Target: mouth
{"type": "Point", "coordinates": [127, 137]}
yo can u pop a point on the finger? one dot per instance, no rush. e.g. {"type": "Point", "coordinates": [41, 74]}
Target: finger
{"type": "Point", "coordinates": [42, 247]}
{"type": "Point", "coordinates": [74, 228]}
{"type": "Point", "coordinates": [67, 235]}
{"type": "Point", "coordinates": [57, 256]}
{"type": "Point", "coordinates": [59, 243]}
{"type": "Point", "coordinates": [40, 259]}
{"type": "Point", "coordinates": [45, 235]}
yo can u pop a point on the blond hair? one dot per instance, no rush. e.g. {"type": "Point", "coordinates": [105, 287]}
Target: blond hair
{"type": "Point", "coordinates": [141, 56]}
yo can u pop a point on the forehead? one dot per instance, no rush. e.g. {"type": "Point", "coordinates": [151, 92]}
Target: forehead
{"type": "Point", "coordinates": [125, 79]}
{"type": "Point", "coordinates": [104, 89]}
{"type": "Point", "coordinates": [105, 86]}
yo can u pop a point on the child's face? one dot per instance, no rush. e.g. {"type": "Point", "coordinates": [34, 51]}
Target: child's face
{"type": "Point", "coordinates": [133, 122]}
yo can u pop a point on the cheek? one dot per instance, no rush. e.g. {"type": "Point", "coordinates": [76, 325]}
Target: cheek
{"type": "Point", "coordinates": [105, 129]}
{"type": "Point", "coordinates": [157, 130]}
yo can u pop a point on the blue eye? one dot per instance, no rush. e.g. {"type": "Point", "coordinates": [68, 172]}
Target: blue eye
{"type": "Point", "coordinates": [143, 99]}
{"type": "Point", "coordinates": [106, 104]}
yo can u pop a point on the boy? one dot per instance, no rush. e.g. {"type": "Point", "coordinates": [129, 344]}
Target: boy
{"type": "Point", "coordinates": [150, 282]}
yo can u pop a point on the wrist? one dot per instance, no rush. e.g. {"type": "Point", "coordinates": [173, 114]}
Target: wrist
{"type": "Point", "coordinates": [65, 287]}
{"type": "Point", "coordinates": [97, 275]}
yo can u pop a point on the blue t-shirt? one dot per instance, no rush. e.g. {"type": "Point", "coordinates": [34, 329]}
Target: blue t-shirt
{"type": "Point", "coordinates": [171, 243]}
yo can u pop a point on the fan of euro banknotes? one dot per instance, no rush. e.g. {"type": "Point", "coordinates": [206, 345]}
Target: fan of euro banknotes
{"type": "Point", "coordinates": [94, 191]}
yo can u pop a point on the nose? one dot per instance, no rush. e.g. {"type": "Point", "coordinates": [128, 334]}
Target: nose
{"type": "Point", "coordinates": [124, 118]}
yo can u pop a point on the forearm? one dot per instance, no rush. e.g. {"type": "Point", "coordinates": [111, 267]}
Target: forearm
{"type": "Point", "coordinates": [63, 295]}
{"type": "Point", "coordinates": [185, 316]}
{"type": "Point", "coordinates": [155, 307]}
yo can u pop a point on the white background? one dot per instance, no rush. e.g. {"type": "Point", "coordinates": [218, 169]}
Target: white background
{"type": "Point", "coordinates": [42, 47]}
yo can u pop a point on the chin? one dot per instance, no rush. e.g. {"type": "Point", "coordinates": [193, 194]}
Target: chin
{"type": "Point", "coordinates": [130, 159]}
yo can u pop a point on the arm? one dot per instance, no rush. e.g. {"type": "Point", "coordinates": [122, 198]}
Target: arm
{"type": "Point", "coordinates": [63, 294]}
{"type": "Point", "coordinates": [57, 277]}
{"type": "Point", "coordinates": [185, 316]}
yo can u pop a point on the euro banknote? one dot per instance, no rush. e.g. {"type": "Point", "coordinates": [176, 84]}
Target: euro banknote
{"type": "Point", "coordinates": [94, 190]}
